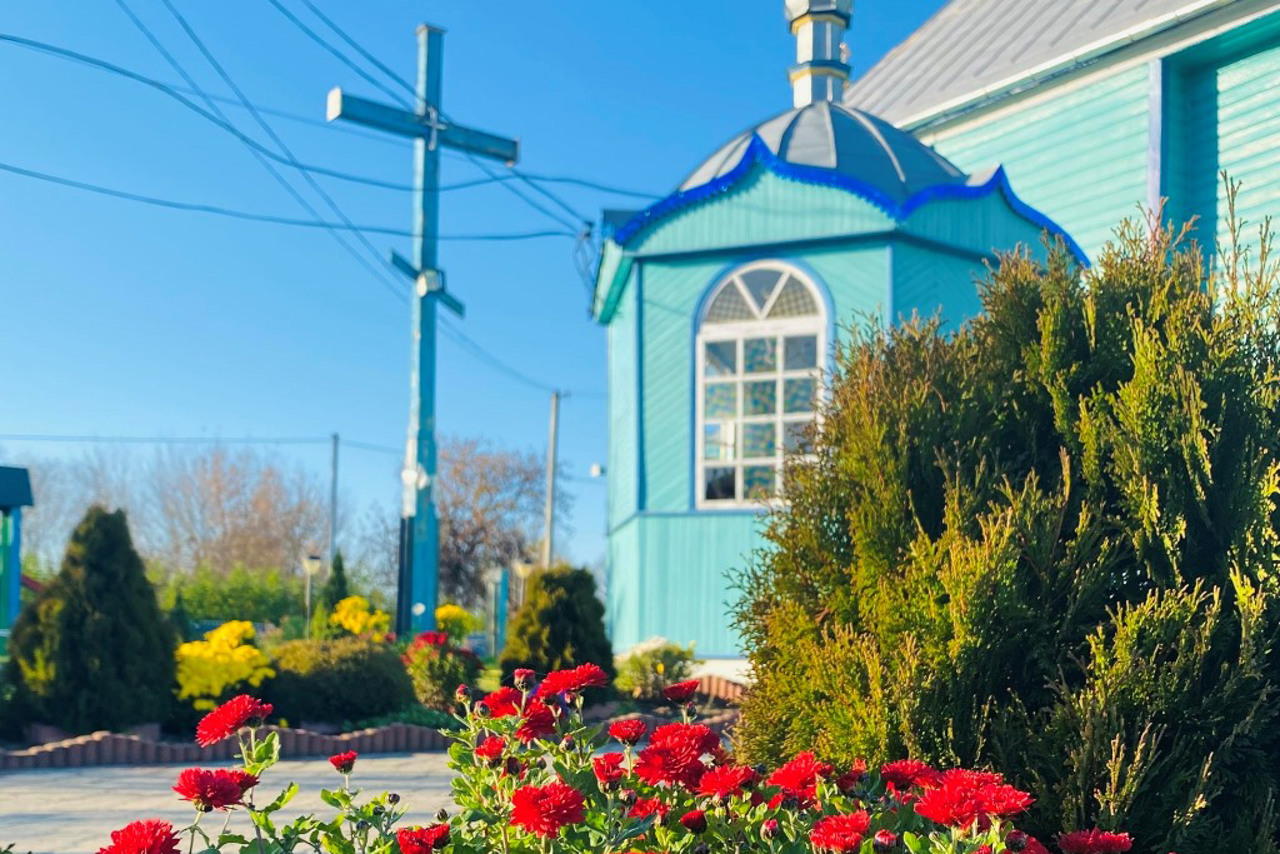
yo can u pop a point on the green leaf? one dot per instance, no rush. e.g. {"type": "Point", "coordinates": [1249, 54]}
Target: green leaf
{"type": "Point", "coordinates": [282, 799]}
{"type": "Point", "coordinates": [232, 839]}
{"type": "Point", "coordinates": [914, 843]}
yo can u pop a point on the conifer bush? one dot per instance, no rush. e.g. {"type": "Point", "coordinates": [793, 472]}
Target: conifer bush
{"type": "Point", "coordinates": [93, 650]}
{"type": "Point", "coordinates": [559, 626]}
{"type": "Point", "coordinates": [330, 681]}
{"type": "Point", "coordinates": [1045, 544]}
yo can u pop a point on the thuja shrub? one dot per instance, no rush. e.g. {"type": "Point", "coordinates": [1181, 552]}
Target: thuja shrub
{"type": "Point", "coordinates": [93, 650]}
{"type": "Point", "coordinates": [1045, 544]}
{"type": "Point", "coordinates": [532, 778]}
{"type": "Point", "coordinates": [560, 625]}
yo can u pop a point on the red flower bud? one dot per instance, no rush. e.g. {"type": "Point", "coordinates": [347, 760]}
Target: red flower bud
{"type": "Point", "coordinates": [884, 842]}
{"type": "Point", "coordinates": [1016, 841]}
{"type": "Point", "coordinates": [524, 678]}
{"type": "Point", "coordinates": [769, 829]}
{"type": "Point", "coordinates": [343, 762]}
{"type": "Point", "coordinates": [463, 694]}
{"type": "Point", "coordinates": [694, 821]}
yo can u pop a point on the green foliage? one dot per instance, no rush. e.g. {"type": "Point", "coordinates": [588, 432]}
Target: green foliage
{"type": "Point", "coordinates": [416, 715]}
{"type": "Point", "coordinates": [437, 669]}
{"type": "Point", "coordinates": [180, 619]}
{"type": "Point", "coordinates": [94, 651]}
{"type": "Point", "coordinates": [335, 588]}
{"type": "Point", "coordinates": [256, 595]}
{"type": "Point", "coordinates": [336, 680]}
{"type": "Point", "coordinates": [1046, 544]}
{"type": "Point", "coordinates": [560, 625]}
{"type": "Point", "coordinates": [647, 668]}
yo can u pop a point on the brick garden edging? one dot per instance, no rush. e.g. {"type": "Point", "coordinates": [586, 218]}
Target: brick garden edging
{"type": "Point", "coordinates": [109, 748]}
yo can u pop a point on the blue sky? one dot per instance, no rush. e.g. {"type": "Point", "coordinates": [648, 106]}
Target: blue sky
{"type": "Point", "coordinates": [117, 318]}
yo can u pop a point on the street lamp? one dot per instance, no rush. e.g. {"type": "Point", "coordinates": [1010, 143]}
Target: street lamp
{"type": "Point", "coordinates": [310, 566]}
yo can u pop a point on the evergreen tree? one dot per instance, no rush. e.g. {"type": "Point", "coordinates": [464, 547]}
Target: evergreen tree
{"type": "Point", "coordinates": [335, 588]}
{"type": "Point", "coordinates": [94, 650]}
{"type": "Point", "coordinates": [179, 619]}
{"type": "Point", "coordinates": [1046, 543]}
{"type": "Point", "coordinates": [560, 625]}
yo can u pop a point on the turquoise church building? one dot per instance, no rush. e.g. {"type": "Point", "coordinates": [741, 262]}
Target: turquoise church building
{"type": "Point", "coordinates": [996, 122]}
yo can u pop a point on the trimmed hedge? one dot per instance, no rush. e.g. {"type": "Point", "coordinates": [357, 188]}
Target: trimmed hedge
{"type": "Point", "coordinates": [331, 681]}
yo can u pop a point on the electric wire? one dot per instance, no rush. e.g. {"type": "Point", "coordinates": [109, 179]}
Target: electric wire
{"type": "Point", "coordinates": [358, 48]}
{"type": "Point", "coordinates": [198, 440]}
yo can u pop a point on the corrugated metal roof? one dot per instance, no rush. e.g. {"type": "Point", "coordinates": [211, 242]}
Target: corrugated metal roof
{"type": "Point", "coordinates": [972, 47]}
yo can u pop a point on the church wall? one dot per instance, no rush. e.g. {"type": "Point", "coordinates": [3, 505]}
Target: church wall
{"type": "Point", "coordinates": [623, 414]}
{"type": "Point", "coordinates": [1079, 156]}
{"type": "Point", "coordinates": [928, 282]}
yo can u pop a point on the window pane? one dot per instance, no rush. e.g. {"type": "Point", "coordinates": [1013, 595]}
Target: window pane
{"type": "Point", "coordinates": [729, 306]}
{"type": "Point", "coordinates": [799, 395]}
{"type": "Point", "coordinates": [718, 441]}
{"type": "Point", "coordinates": [760, 284]}
{"type": "Point", "coordinates": [722, 358]}
{"type": "Point", "coordinates": [761, 398]}
{"type": "Point", "coordinates": [760, 355]}
{"type": "Point", "coordinates": [794, 301]}
{"type": "Point", "coordinates": [721, 484]}
{"type": "Point", "coordinates": [759, 440]}
{"type": "Point", "coordinates": [757, 481]}
{"type": "Point", "coordinates": [801, 352]}
{"type": "Point", "coordinates": [721, 401]}
{"type": "Point", "coordinates": [796, 437]}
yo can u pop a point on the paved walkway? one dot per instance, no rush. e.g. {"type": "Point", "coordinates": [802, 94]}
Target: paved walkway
{"type": "Point", "coordinates": [74, 810]}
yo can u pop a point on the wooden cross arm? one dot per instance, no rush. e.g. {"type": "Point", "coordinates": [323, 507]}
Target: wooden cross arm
{"type": "Point", "coordinates": [403, 123]}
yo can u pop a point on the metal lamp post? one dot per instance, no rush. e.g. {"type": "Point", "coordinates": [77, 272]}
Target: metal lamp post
{"type": "Point", "coordinates": [310, 566]}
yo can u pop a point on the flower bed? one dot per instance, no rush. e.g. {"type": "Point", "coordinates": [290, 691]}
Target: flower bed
{"type": "Point", "coordinates": [530, 778]}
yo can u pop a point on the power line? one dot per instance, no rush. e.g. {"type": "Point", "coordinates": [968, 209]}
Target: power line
{"type": "Point", "coordinates": [358, 48]}
{"type": "Point", "coordinates": [273, 219]}
{"type": "Point", "coordinates": [88, 439]}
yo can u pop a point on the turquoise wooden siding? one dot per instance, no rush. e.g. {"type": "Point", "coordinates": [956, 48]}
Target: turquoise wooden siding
{"type": "Point", "coordinates": [669, 578]}
{"type": "Point", "coordinates": [987, 225]}
{"type": "Point", "coordinates": [764, 209]}
{"type": "Point", "coordinates": [926, 283]}
{"type": "Point", "coordinates": [623, 415]}
{"type": "Point", "coordinates": [1221, 113]}
{"type": "Point", "coordinates": [1079, 157]}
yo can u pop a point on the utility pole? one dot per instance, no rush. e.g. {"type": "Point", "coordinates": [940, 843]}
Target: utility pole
{"type": "Point", "coordinates": [333, 501]}
{"type": "Point", "coordinates": [430, 130]}
{"type": "Point", "coordinates": [549, 516]}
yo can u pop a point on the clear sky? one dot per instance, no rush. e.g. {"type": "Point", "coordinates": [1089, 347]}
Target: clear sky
{"type": "Point", "coordinates": [117, 318]}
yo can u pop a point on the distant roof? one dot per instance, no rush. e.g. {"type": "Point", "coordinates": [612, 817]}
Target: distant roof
{"type": "Point", "coordinates": [972, 48]}
{"type": "Point", "coordinates": [849, 142]}
{"type": "Point", "coordinates": [15, 487]}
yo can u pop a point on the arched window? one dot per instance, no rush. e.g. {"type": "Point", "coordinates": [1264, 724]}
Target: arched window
{"type": "Point", "coordinates": [759, 343]}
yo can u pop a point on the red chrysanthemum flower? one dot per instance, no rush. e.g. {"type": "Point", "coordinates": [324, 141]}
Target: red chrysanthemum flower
{"type": "Point", "coordinates": [608, 769]}
{"type": "Point", "coordinates": [209, 790]}
{"type": "Point", "coordinates": [1094, 842]}
{"type": "Point", "coordinates": [692, 736]}
{"type": "Point", "coordinates": [849, 780]}
{"type": "Point", "coordinates": [229, 718]}
{"type": "Point", "coordinates": [629, 731]}
{"type": "Point", "coordinates": [543, 810]}
{"type": "Point", "coordinates": [572, 681]}
{"type": "Point", "coordinates": [503, 702]}
{"type": "Point", "coordinates": [694, 821]}
{"type": "Point", "coordinates": [343, 762]}
{"type": "Point", "coordinates": [422, 840]}
{"type": "Point", "coordinates": [490, 750]}
{"type": "Point", "coordinates": [840, 833]}
{"type": "Point", "coordinates": [799, 777]}
{"type": "Point", "coordinates": [903, 774]}
{"type": "Point", "coordinates": [725, 781]}
{"type": "Point", "coordinates": [1034, 846]}
{"type": "Point", "coordinates": [681, 691]}
{"type": "Point", "coordinates": [244, 779]}
{"type": "Point", "coordinates": [143, 837]}
{"type": "Point", "coordinates": [645, 807]}
{"type": "Point", "coordinates": [674, 755]}
{"type": "Point", "coordinates": [537, 721]}
{"type": "Point", "coordinates": [962, 798]}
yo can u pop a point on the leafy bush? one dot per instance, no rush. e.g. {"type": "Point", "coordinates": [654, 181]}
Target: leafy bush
{"type": "Point", "coordinates": [647, 668]}
{"type": "Point", "coordinates": [560, 625]}
{"type": "Point", "coordinates": [338, 680]}
{"type": "Point", "coordinates": [415, 715]}
{"type": "Point", "coordinates": [437, 669]}
{"type": "Point", "coordinates": [255, 595]}
{"type": "Point", "coordinates": [94, 651]}
{"type": "Point", "coordinates": [210, 670]}
{"type": "Point", "coordinates": [1046, 544]}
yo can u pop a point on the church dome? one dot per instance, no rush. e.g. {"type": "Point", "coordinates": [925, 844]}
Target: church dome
{"type": "Point", "coordinates": [853, 144]}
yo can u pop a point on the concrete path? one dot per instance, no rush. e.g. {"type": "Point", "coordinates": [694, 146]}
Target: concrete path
{"type": "Point", "coordinates": [74, 810]}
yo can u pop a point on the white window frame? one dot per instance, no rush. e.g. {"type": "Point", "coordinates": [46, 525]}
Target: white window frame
{"type": "Point", "coordinates": [739, 332]}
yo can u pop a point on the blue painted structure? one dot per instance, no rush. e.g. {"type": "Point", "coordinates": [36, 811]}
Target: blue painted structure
{"type": "Point", "coordinates": [15, 493]}
{"type": "Point", "coordinates": [873, 222]}
{"type": "Point", "coordinates": [430, 129]}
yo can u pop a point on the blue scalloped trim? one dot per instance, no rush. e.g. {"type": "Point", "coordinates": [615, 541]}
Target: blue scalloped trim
{"type": "Point", "coordinates": [758, 152]}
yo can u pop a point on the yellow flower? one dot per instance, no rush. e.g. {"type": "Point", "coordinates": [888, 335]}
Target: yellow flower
{"type": "Point", "coordinates": [206, 668]}
{"type": "Point", "coordinates": [353, 614]}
